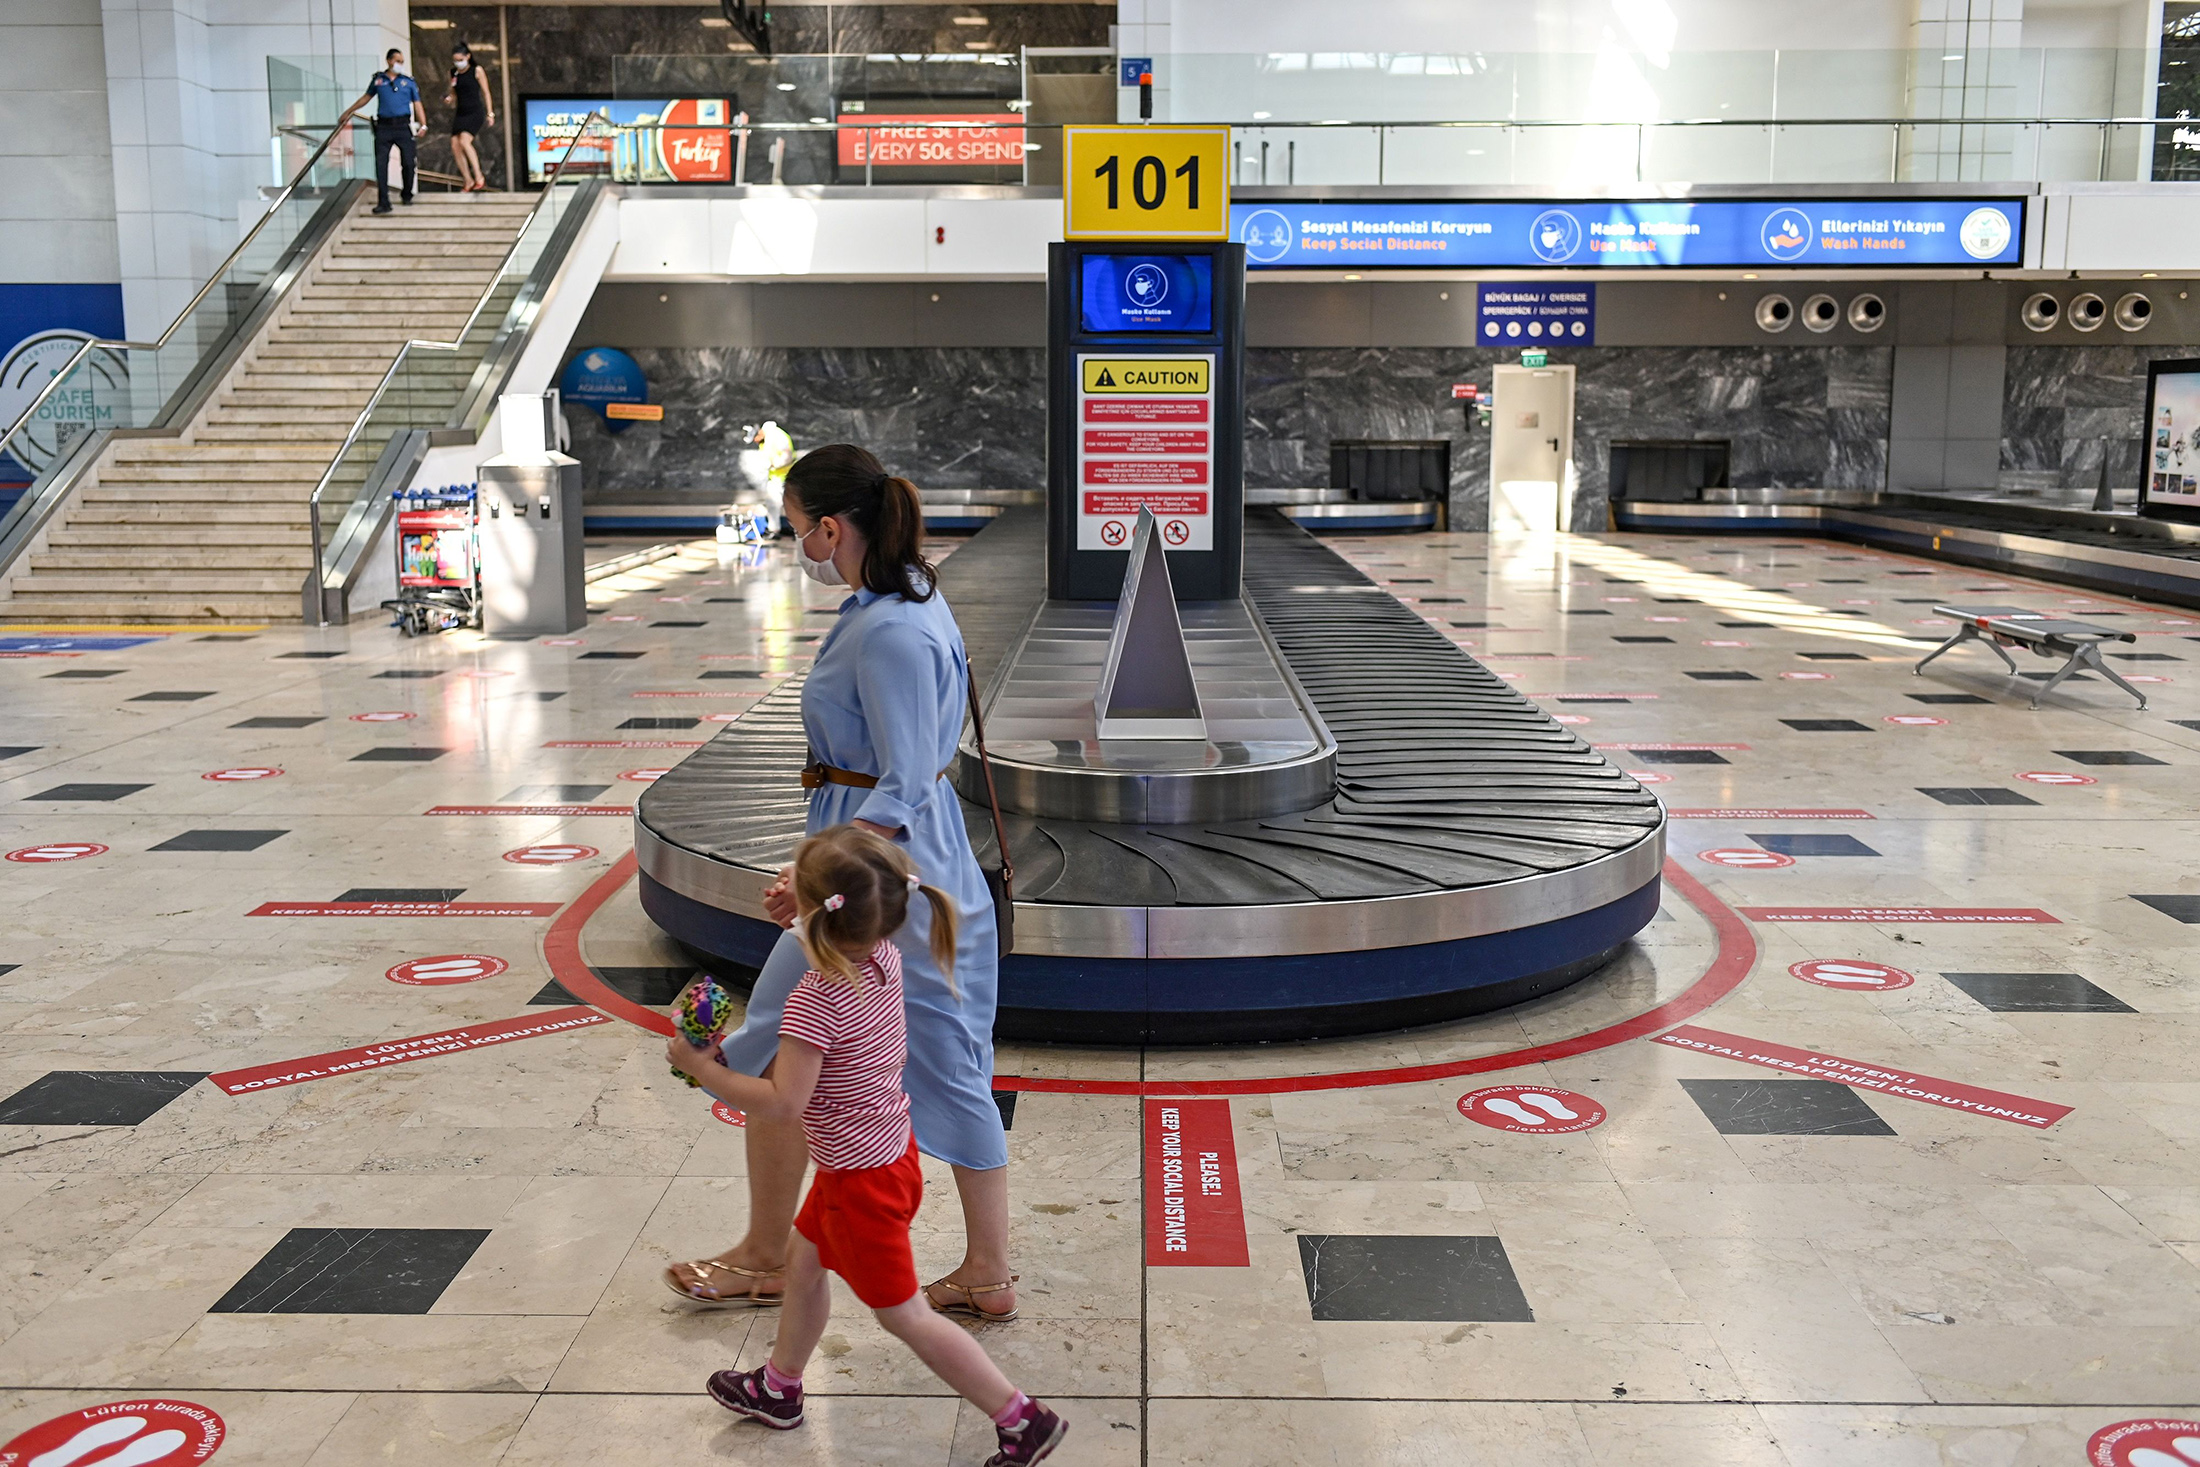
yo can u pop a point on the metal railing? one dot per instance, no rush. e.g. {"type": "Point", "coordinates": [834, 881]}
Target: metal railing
{"type": "Point", "coordinates": [317, 587]}
{"type": "Point", "coordinates": [220, 274]}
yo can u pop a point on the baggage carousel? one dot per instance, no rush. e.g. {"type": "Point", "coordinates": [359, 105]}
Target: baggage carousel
{"type": "Point", "coordinates": [1380, 833]}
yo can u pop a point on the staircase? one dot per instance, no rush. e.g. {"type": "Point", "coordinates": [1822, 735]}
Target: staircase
{"type": "Point", "coordinates": [211, 527]}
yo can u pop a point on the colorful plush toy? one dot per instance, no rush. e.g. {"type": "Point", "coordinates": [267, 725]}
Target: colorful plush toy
{"type": "Point", "coordinates": [701, 1015]}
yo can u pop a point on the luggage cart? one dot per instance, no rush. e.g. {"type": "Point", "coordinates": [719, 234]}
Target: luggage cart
{"type": "Point", "coordinates": [438, 561]}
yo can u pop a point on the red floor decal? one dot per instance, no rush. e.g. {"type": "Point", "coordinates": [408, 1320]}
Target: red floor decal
{"type": "Point", "coordinates": [1759, 812]}
{"type": "Point", "coordinates": [728, 1114]}
{"type": "Point", "coordinates": [1951, 1094]}
{"type": "Point", "coordinates": [1898, 914]}
{"type": "Point", "coordinates": [404, 1051]}
{"type": "Point", "coordinates": [651, 776]}
{"type": "Point", "coordinates": [64, 851]}
{"type": "Point", "coordinates": [1531, 1109]}
{"type": "Point", "coordinates": [561, 811]}
{"type": "Point", "coordinates": [449, 968]}
{"type": "Point", "coordinates": [386, 716]}
{"type": "Point", "coordinates": [404, 909]}
{"type": "Point", "coordinates": [2048, 776]}
{"type": "Point", "coordinates": [551, 855]}
{"type": "Point", "coordinates": [1730, 965]}
{"type": "Point", "coordinates": [239, 776]}
{"type": "Point", "coordinates": [1195, 1217]}
{"type": "Point", "coordinates": [1747, 858]}
{"type": "Point", "coordinates": [2151, 1441]}
{"type": "Point", "coordinates": [1851, 973]}
{"type": "Point", "coordinates": [148, 1433]}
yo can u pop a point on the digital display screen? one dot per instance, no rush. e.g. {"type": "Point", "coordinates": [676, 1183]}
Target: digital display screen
{"type": "Point", "coordinates": [1631, 235]}
{"type": "Point", "coordinates": [1148, 293]}
{"type": "Point", "coordinates": [2170, 468]}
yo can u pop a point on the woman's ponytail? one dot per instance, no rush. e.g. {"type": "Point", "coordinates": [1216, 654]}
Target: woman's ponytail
{"type": "Point", "coordinates": [846, 482]}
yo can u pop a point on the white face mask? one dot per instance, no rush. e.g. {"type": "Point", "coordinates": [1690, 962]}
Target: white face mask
{"type": "Point", "coordinates": [824, 572]}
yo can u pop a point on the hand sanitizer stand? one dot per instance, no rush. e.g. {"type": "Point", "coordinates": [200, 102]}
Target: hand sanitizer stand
{"type": "Point", "coordinates": [530, 517]}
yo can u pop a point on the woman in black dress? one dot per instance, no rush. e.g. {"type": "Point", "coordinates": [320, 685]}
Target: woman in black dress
{"type": "Point", "coordinates": [471, 111]}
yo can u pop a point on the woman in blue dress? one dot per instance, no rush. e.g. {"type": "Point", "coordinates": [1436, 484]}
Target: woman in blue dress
{"type": "Point", "coordinates": [883, 710]}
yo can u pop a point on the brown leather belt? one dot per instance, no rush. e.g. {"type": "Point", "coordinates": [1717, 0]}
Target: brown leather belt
{"type": "Point", "coordinates": [816, 775]}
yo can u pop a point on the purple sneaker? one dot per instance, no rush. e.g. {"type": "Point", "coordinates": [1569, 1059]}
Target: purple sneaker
{"type": "Point", "coordinates": [751, 1395]}
{"type": "Point", "coordinates": [1031, 1439]}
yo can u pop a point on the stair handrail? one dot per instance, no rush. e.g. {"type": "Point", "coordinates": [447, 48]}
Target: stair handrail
{"type": "Point", "coordinates": [458, 339]}
{"type": "Point", "coordinates": [87, 347]}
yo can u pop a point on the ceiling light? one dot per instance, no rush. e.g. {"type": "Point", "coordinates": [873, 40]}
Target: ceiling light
{"type": "Point", "coordinates": [820, 119]}
{"type": "Point", "coordinates": [786, 86]}
{"type": "Point", "coordinates": [431, 25]}
{"type": "Point", "coordinates": [1957, 56]}
{"type": "Point", "coordinates": [717, 22]}
{"type": "Point", "coordinates": [1352, 277]}
{"type": "Point", "coordinates": [1259, 116]}
{"type": "Point", "coordinates": [1747, 276]}
{"type": "Point", "coordinates": [971, 20]}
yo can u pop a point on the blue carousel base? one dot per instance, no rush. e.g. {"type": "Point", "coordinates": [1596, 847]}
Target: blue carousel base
{"type": "Point", "coordinates": [1162, 1001]}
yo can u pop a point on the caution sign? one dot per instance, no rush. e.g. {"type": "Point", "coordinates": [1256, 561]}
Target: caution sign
{"type": "Point", "coordinates": [1145, 183]}
{"type": "Point", "coordinates": [1186, 376]}
{"type": "Point", "coordinates": [1145, 440]}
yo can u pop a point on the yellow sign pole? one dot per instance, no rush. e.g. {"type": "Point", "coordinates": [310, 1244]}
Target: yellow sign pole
{"type": "Point", "coordinates": [1145, 183]}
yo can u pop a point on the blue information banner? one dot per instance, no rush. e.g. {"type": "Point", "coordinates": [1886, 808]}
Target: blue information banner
{"type": "Point", "coordinates": [1719, 234]}
{"type": "Point", "coordinates": [1536, 313]}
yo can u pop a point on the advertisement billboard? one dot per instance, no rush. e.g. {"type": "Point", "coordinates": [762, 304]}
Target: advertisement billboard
{"type": "Point", "coordinates": [2169, 464]}
{"type": "Point", "coordinates": [1631, 235]}
{"type": "Point", "coordinates": [680, 140]}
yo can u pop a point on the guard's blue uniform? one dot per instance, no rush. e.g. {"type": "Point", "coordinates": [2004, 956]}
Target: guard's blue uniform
{"type": "Point", "coordinates": [886, 697]}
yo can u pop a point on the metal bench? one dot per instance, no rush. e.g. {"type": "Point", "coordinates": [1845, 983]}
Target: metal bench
{"type": "Point", "coordinates": [2044, 633]}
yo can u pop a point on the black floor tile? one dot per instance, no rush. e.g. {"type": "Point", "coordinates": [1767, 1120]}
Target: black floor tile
{"type": "Point", "coordinates": [1827, 725]}
{"type": "Point", "coordinates": [726, 672]}
{"type": "Point", "coordinates": [1673, 756]}
{"type": "Point", "coordinates": [1760, 625]}
{"type": "Point", "coordinates": [407, 893]}
{"type": "Point", "coordinates": [7, 968]}
{"type": "Point", "coordinates": [651, 987]}
{"type": "Point", "coordinates": [170, 697]}
{"type": "Point", "coordinates": [1724, 677]}
{"type": "Point", "coordinates": [1425, 1279]}
{"type": "Point", "coordinates": [2038, 993]}
{"type": "Point", "coordinates": [220, 840]}
{"type": "Point", "coordinates": [11, 751]}
{"type": "Point", "coordinates": [542, 697]}
{"type": "Point", "coordinates": [558, 794]}
{"type": "Point", "coordinates": [88, 792]}
{"type": "Point", "coordinates": [95, 1097]}
{"type": "Point", "coordinates": [1633, 641]}
{"type": "Point", "coordinates": [609, 656]}
{"type": "Point", "coordinates": [89, 672]}
{"type": "Point", "coordinates": [1670, 601]}
{"type": "Point", "coordinates": [282, 721]}
{"type": "Point", "coordinates": [412, 672]}
{"type": "Point", "coordinates": [1975, 795]}
{"type": "Point", "coordinates": [2041, 677]}
{"type": "Point", "coordinates": [2144, 657]}
{"type": "Point", "coordinates": [399, 754]}
{"type": "Point", "coordinates": [1814, 844]}
{"type": "Point", "coordinates": [1587, 611]}
{"type": "Point", "coordinates": [1592, 698]}
{"type": "Point", "coordinates": [1834, 656]}
{"type": "Point", "coordinates": [316, 656]}
{"type": "Point", "coordinates": [227, 637]}
{"type": "Point", "coordinates": [1005, 1102]}
{"type": "Point", "coordinates": [2183, 908]}
{"type": "Point", "coordinates": [2193, 723]}
{"type": "Point", "coordinates": [353, 1271]}
{"type": "Point", "coordinates": [1462, 625]}
{"type": "Point", "coordinates": [662, 723]}
{"type": "Point", "coordinates": [679, 623]}
{"type": "Point", "coordinates": [1949, 700]}
{"type": "Point", "coordinates": [735, 601]}
{"type": "Point", "coordinates": [2107, 756]}
{"type": "Point", "coordinates": [1784, 1108]}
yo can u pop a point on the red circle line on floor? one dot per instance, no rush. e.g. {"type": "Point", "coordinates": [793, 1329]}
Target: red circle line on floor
{"type": "Point", "coordinates": [1736, 955]}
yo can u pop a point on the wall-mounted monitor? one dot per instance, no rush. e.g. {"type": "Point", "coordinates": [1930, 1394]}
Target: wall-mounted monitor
{"type": "Point", "coordinates": [2169, 464]}
{"type": "Point", "coordinates": [1142, 293]}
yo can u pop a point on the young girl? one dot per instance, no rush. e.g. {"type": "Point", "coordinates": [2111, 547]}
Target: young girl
{"type": "Point", "coordinates": [841, 1050]}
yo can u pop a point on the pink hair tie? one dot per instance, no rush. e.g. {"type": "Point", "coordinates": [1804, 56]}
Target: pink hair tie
{"type": "Point", "coordinates": [834, 902]}
{"type": "Point", "coordinates": [916, 883]}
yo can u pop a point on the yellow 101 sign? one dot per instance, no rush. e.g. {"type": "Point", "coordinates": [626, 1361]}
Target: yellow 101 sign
{"type": "Point", "coordinates": [1145, 183]}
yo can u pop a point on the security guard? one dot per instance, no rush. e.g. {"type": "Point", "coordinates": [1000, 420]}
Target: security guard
{"type": "Point", "coordinates": [399, 120]}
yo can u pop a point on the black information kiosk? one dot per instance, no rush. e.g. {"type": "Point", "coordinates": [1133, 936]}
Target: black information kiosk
{"type": "Point", "coordinates": [1145, 409]}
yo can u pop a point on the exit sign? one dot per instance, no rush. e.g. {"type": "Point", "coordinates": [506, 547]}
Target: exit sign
{"type": "Point", "coordinates": [1534, 356]}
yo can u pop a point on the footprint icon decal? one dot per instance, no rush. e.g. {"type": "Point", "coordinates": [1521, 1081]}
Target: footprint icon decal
{"type": "Point", "coordinates": [156, 1433]}
{"type": "Point", "coordinates": [1532, 1110]}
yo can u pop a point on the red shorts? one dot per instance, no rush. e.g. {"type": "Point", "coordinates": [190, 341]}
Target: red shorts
{"type": "Point", "coordinates": [859, 1221]}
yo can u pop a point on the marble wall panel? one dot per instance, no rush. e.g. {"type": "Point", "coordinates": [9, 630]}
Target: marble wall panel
{"type": "Point", "coordinates": [2059, 404]}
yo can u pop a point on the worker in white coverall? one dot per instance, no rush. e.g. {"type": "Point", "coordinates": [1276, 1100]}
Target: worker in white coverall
{"type": "Point", "coordinates": [778, 451]}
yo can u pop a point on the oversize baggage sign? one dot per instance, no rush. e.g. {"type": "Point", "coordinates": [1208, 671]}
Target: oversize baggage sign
{"type": "Point", "coordinates": [1145, 439]}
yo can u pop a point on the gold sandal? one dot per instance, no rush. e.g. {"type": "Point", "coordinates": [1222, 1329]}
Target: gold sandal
{"type": "Point", "coordinates": [703, 1267]}
{"type": "Point", "coordinates": [969, 1304]}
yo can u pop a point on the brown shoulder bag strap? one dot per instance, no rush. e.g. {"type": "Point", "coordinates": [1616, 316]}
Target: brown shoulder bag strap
{"type": "Point", "coordinates": [992, 797]}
